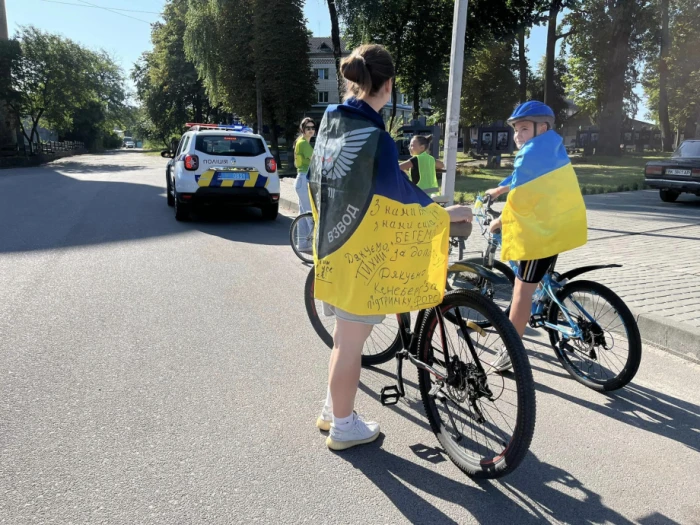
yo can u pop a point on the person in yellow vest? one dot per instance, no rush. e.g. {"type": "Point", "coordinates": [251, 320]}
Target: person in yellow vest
{"type": "Point", "coordinates": [544, 215]}
{"type": "Point", "coordinates": [303, 152]}
{"type": "Point", "coordinates": [422, 164]}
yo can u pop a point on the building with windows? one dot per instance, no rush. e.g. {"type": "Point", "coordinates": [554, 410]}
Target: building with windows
{"type": "Point", "coordinates": [323, 64]}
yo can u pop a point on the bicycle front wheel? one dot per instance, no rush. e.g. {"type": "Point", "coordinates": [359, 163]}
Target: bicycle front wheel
{"type": "Point", "coordinates": [608, 354]}
{"type": "Point", "coordinates": [301, 237]}
{"type": "Point", "coordinates": [383, 342]}
{"type": "Point", "coordinates": [484, 420]}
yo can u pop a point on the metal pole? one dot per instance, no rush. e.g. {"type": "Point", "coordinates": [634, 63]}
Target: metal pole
{"type": "Point", "coordinates": [3, 21]}
{"type": "Point", "coordinates": [459, 31]}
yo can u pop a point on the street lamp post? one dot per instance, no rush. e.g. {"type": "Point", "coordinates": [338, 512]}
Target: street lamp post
{"type": "Point", "coordinates": [459, 31]}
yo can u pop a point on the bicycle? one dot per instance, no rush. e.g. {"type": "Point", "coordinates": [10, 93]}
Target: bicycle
{"type": "Point", "coordinates": [301, 236]}
{"type": "Point", "coordinates": [582, 342]}
{"type": "Point", "coordinates": [484, 420]}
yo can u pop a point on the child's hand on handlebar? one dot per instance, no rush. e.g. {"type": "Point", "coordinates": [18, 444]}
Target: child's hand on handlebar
{"type": "Point", "coordinates": [494, 193]}
{"type": "Point", "coordinates": [459, 213]}
{"type": "Point", "coordinates": [495, 225]}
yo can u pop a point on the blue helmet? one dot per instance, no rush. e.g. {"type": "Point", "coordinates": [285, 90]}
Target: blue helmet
{"type": "Point", "coordinates": [534, 111]}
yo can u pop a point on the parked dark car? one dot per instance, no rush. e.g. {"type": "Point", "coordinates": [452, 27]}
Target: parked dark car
{"type": "Point", "coordinates": [679, 174]}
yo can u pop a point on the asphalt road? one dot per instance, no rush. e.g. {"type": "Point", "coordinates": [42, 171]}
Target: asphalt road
{"type": "Point", "coordinates": [160, 372]}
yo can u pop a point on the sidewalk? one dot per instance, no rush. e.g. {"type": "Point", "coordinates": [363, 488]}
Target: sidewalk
{"type": "Point", "coordinates": [658, 245]}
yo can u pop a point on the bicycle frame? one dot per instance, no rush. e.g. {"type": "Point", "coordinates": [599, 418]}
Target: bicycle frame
{"type": "Point", "coordinates": [390, 395]}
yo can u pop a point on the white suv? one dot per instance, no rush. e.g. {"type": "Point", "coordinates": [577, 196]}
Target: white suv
{"type": "Point", "coordinates": [222, 164]}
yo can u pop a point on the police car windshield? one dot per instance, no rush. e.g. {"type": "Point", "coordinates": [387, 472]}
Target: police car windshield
{"type": "Point", "coordinates": [229, 145]}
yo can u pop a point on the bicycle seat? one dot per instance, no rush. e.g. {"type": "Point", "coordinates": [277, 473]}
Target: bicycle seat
{"type": "Point", "coordinates": [460, 229]}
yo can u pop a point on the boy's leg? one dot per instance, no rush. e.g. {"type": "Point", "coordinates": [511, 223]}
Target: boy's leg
{"type": "Point", "coordinates": [530, 273]}
{"type": "Point", "coordinates": [521, 307]}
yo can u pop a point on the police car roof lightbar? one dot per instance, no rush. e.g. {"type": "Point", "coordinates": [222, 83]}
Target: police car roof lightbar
{"type": "Point", "coordinates": [194, 126]}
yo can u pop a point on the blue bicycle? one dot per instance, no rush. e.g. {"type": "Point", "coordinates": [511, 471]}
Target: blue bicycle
{"type": "Point", "coordinates": [592, 331]}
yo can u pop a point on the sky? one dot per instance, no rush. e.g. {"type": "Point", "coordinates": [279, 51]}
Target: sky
{"type": "Point", "coordinates": [126, 34]}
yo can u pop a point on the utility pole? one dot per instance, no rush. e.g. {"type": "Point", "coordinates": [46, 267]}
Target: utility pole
{"type": "Point", "coordinates": [459, 31]}
{"type": "Point", "coordinates": [258, 92]}
{"type": "Point", "coordinates": [3, 21]}
{"type": "Point", "coordinates": [7, 134]}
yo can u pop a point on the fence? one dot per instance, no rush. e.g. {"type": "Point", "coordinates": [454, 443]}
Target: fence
{"type": "Point", "coordinates": [52, 146]}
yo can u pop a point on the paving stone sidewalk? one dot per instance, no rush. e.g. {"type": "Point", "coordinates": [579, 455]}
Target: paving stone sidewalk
{"type": "Point", "coordinates": [658, 245]}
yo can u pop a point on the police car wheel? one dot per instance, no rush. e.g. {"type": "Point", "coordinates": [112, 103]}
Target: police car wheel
{"type": "Point", "coordinates": [169, 191]}
{"type": "Point", "coordinates": [182, 211]}
{"type": "Point", "coordinates": [270, 211]}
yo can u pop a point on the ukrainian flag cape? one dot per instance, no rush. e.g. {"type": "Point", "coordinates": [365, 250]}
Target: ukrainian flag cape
{"type": "Point", "coordinates": [545, 213]}
{"type": "Point", "coordinates": [380, 244]}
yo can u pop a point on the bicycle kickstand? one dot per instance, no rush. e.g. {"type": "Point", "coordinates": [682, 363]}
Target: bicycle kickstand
{"type": "Point", "coordinates": [390, 395]}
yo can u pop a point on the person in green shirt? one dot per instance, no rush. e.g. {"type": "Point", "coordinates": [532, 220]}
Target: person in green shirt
{"type": "Point", "coordinates": [302, 159]}
{"type": "Point", "coordinates": [422, 165]}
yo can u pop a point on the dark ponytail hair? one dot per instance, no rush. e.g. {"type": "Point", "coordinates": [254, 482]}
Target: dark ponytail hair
{"type": "Point", "coordinates": [366, 70]}
{"type": "Point", "coordinates": [424, 140]}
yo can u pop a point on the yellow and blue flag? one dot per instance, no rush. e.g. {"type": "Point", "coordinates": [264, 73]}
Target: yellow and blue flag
{"type": "Point", "coordinates": [545, 214]}
{"type": "Point", "coordinates": [380, 245]}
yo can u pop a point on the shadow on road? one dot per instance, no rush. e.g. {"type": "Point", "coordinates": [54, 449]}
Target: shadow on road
{"type": "Point", "coordinates": [535, 491]}
{"type": "Point", "coordinates": [42, 209]}
{"type": "Point", "coordinates": [634, 405]}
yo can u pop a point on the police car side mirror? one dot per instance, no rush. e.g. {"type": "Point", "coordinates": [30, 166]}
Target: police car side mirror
{"type": "Point", "coordinates": [167, 154]}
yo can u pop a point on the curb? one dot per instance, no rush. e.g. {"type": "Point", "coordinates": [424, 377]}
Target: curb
{"type": "Point", "coordinates": [675, 338]}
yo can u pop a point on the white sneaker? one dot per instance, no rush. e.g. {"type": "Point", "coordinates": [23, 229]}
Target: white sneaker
{"type": "Point", "coordinates": [325, 419]}
{"type": "Point", "coordinates": [359, 433]}
{"type": "Point", "coordinates": [502, 362]}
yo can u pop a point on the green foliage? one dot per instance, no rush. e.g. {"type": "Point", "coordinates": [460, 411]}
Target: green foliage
{"type": "Point", "coordinates": [535, 86]}
{"type": "Point", "coordinates": [490, 86]}
{"type": "Point", "coordinates": [683, 64]}
{"type": "Point", "coordinates": [58, 83]}
{"type": "Point", "coordinates": [236, 43]}
{"type": "Point", "coordinates": [167, 83]}
{"type": "Point", "coordinates": [606, 38]}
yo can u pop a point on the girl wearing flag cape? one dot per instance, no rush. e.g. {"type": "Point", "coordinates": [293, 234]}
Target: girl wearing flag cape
{"type": "Point", "coordinates": [544, 215]}
{"type": "Point", "coordinates": [368, 215]}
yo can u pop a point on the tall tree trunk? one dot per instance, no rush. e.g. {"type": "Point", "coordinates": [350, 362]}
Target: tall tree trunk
{"type": "Point", "coordinates": [666, 134]}
{"type": "Point", "coordinates": [549, 90]}
{"type": "Point", "coordinates": [198, 113]}
{"type": "Point", "coordinates": [337, 49]}
{"type": "Point", "coordinates": [394, 94]}
{"type": "Point", "coordinates": [416, 101]}
{"type": "Point", "coordinates": [611, 115]}
{"type": "Point", "coordinates": [258, 89]}
{"type": "Point", "coordinates": [274, 140]}
{"type": "Point", "coordinates": [522, 61]}
{"type": "Point", "coordinates": [690, 124]}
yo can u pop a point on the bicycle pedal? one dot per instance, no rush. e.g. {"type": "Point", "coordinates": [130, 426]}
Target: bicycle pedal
{"type": "Point", "coordinates": [390, 395]}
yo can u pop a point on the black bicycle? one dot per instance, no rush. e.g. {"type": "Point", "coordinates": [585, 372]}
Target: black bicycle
{"type": "Point", "coordinates": [484, 420]}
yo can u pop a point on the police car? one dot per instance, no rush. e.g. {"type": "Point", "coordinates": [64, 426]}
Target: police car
{"type": "Point", "coordinates": [222, 164]}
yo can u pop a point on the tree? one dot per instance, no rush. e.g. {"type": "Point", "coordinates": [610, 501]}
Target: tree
{"type": "Point", "coordinates": [536, 88]}
{"type": "Point", "coordinates": [680, 67]}
{"type": "Point", "coordinates": [606, 44]}
{"type": "Point", "coordinates": [167, 82]}
{"type": "Point", "coordinates": [52, 80]}
{"type": "Point", "coordinates": [491, 89]}
{"type": "Point", "coordinates": [665, 42]}
{"type": "Point", "coordinates": [240, 44]}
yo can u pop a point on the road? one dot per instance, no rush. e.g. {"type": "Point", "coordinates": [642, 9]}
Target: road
{"type": "Point", "coordinates": [161, 372]}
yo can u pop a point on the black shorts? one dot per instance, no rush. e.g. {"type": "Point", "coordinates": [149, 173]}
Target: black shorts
{"type": "Point", "coordinates": [533, 271]}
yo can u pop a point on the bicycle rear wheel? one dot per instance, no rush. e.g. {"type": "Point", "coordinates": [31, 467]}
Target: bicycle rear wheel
{"type": "Point", "coordinates": [301, 236]}
{"type": "Point", "coordinates": [383, 342]}
{"type": "Point", "coordinates": [484, 420]}
{"type": "Point", "coordinates": [608, 355]}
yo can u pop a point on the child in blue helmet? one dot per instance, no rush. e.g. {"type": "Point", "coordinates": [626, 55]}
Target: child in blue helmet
{"type": "Point", "coordinates": [544, 215]}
